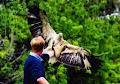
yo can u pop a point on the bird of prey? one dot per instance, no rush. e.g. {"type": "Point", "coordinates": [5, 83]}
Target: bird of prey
{"type": "Point", "coordinates": [65, 52]}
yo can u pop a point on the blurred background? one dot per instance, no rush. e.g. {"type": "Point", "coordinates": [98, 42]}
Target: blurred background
{"type": "Point", "coordinates": [81, 24]}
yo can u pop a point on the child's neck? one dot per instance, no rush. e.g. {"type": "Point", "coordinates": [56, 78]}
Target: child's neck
{"type": "Point", "coordinates": [39, 53]}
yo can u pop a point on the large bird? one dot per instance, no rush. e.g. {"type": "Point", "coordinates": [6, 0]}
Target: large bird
{"type": "Point", "coordinates": [64, 52]}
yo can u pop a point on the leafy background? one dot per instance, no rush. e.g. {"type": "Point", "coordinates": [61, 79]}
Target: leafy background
{"type": "Point", "coordinates": [81, 25]}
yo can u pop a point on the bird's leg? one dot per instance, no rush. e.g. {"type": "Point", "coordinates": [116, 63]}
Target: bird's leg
{"type": "Point", "coordinates": [58, 48]}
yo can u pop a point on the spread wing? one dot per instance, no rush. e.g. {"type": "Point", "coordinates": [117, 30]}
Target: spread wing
{"type": "Point", "coordinates": [64, 52]}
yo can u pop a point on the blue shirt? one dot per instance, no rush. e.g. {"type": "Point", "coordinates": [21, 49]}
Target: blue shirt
{"type": "Point", "coordinates": [34, 68]}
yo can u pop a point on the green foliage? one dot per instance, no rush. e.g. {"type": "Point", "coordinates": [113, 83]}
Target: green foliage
{"type": "Point", "coordinates": [80, 24]}
{"type": "Point", "coordinates": [13, 27]}
{"type": "Point", "coordinates": [56, 75]}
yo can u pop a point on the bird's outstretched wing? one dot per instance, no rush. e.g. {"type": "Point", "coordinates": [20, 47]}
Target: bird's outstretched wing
{"type": "Point", "coordinates": [64, 52]}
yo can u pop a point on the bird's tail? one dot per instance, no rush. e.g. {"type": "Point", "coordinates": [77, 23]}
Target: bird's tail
{"type": "Point", "coordinates": [95, 62]}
